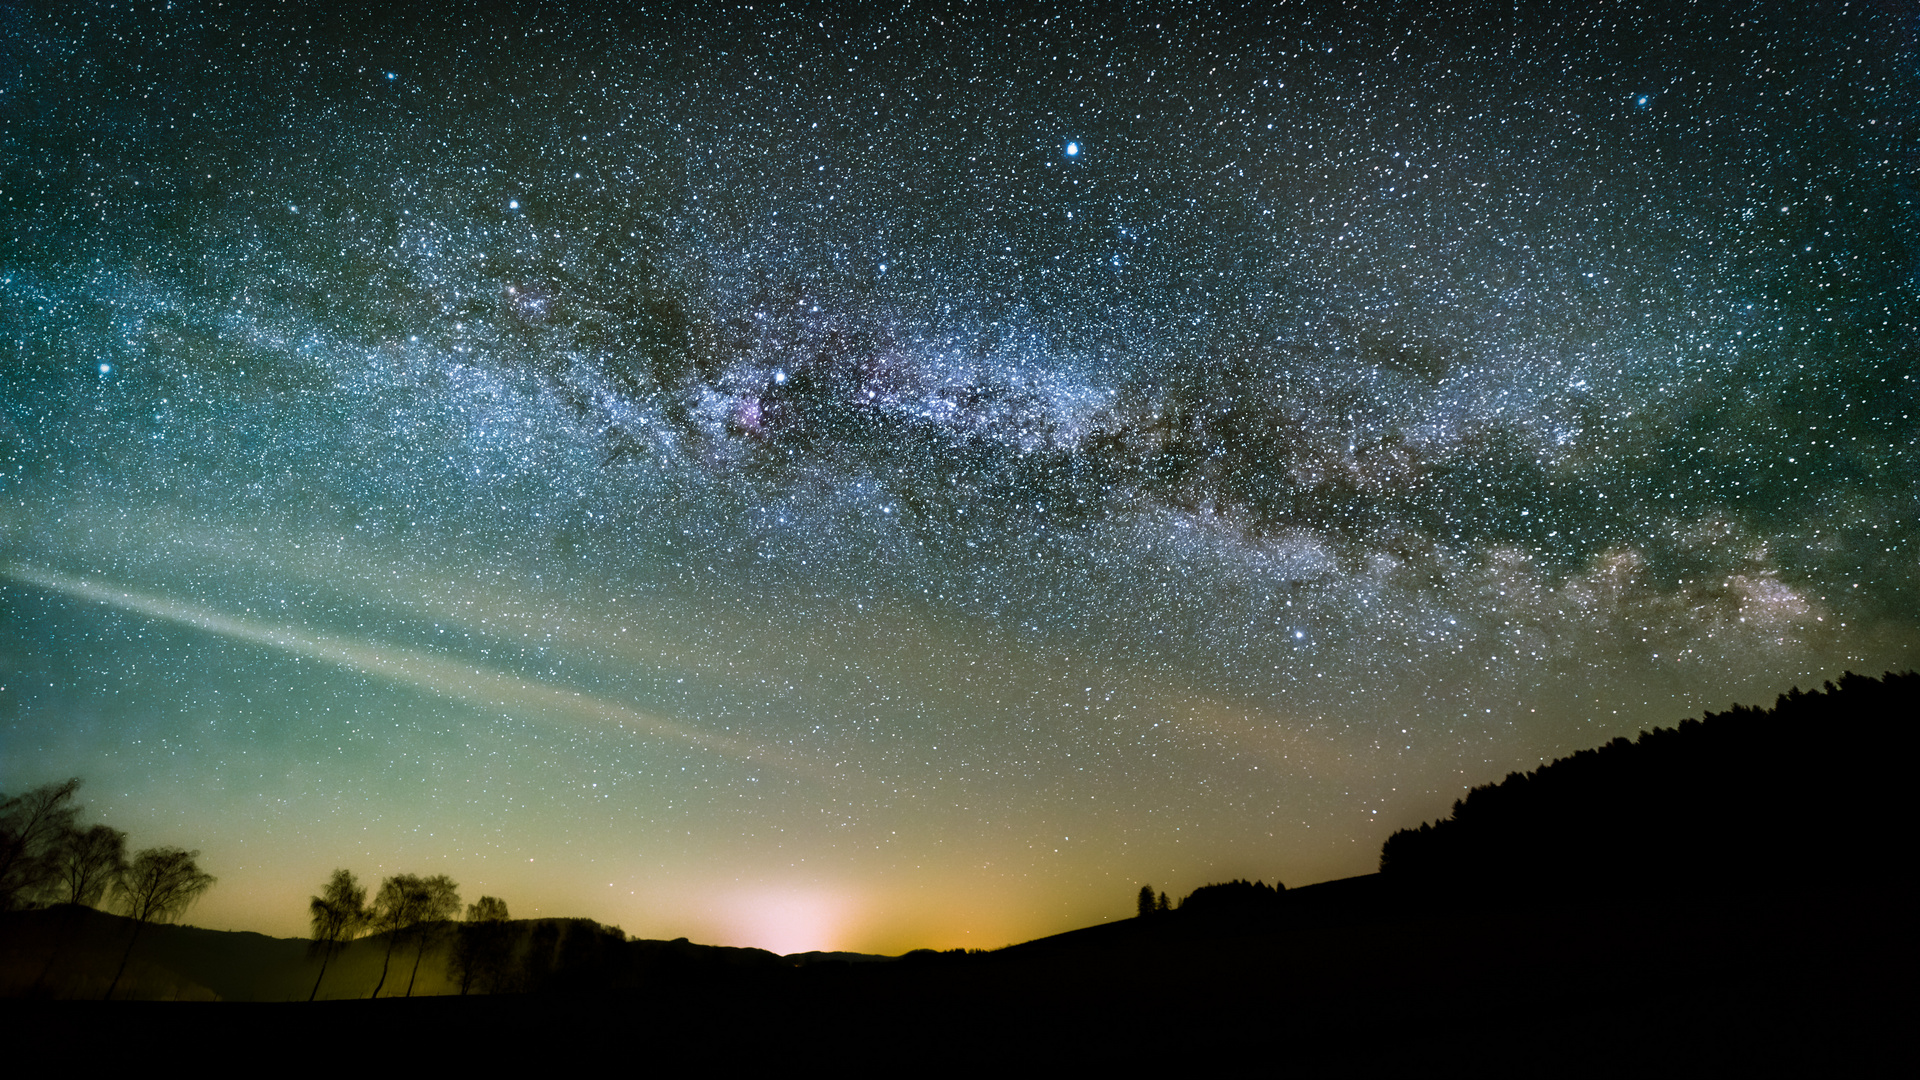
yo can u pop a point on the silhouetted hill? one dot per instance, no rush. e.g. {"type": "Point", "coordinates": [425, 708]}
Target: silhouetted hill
{"type": "Point", "coordinates": [817, 957]}
{"type": "Point", "coordinates": [1346, 980]}
{"type": "Point", "coordinates": [1641, 926]}
{"type": "Point", "coordinates": [1790, 797]}
{"type": "Point", "coordinates": [70, 953]}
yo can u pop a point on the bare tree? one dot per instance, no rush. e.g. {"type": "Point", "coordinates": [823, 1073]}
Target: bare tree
{"type": "Point", "coordinates": [405, 905]}
{"type": "Point", "coordinates": [87, 862]}
{"type": "Point", "coordinates": [394, 912]}
{"type": "Point", "coordinates": [479, 953]}
{"type": "Point", "coordinates": [30, 828]}
{"type": "Point", "coordinates": [81, 865]}
{"type": "Point", "coordinates": [339, 914]}
{"type": "Point", "coordinates": [160, 884]}
{"type": "Point", "coordinates": [442, 902]}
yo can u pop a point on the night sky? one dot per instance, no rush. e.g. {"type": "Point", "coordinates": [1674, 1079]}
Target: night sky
{"type": "Point", "coordinates": [814, 479]}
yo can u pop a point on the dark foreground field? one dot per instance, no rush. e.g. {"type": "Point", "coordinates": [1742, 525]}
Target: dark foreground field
{"type": "Point", "coordinates": [1343, 979]}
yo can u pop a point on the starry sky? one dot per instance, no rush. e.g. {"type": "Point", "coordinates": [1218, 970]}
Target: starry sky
{"type": "Point", "coordinates": [815, 478]}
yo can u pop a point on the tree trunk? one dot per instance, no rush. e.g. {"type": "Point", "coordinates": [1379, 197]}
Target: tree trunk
{"type": "Point", "coordinates": [326, 954]}
{"type": "Point", "coordinates": [138, 926]}
{"type": "Point", "coordinates": [417, 954]}
{"type": "Point", "coordinates": [71, 920]}
{"type": "Point", "coordinates": [391, 942]}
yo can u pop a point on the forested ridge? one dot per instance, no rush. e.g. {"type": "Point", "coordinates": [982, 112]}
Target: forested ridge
{"type": "Point", "coordinates": [1492, 937]}
{"type": "Point", "coordinates": [1755, 804]}
{"type": "Point", "coordinates": [1751, 798]}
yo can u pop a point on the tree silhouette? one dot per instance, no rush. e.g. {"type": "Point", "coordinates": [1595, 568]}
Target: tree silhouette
{"type": "Point", "coordinates": [339, 913]}
{"type": "Point", "coordinates": [1233, 900]}
{"type": "Point", "coordinates": [157, 887]}
{"type": "Point", "coordinates": [392, 913]}
{"type": "Point", "coordinates": [1676, 809]}
{"type": "Point", "coordinates": [442, 902]}
{"type": "Point", "coordinates": [87, 862]}
{"type": "Point", "coordinates": [1163, 904]}
{"type": "Point", "coordinates": [404, 906]}
{"type": "Point", "coordinates": [31, 826]}
{"type": "Point", "coordinates": [480, 953]}
{"type": "Point", "coordinates": [1143, 904]}
{"type": "Point", "coordinates": [73, 866]}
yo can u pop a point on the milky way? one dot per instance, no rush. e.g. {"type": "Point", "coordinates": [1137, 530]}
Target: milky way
{"type": "Point", "coordinates": [805, 478]}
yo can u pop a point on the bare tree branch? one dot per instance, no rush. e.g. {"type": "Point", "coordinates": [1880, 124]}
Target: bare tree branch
{"type": "Point", "coordinates": [404, 905]}
{"type": "Point", "coordinates": [160, 884]}
{"type": "Point", "coordinates": [30, 826]}
{"type": "Point", "coordinates": [87, 862]}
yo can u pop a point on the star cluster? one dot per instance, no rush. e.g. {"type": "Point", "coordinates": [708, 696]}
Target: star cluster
{"type": "Point", "coordinates": [824, 478]}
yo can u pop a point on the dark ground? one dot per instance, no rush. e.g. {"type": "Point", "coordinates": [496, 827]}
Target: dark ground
{"type": "Point", "coordinates": [1344, 981]}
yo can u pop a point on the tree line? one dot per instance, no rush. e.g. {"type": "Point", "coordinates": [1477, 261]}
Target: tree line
{"type": "Point", "coordinates": [48, 857]}
{"type": "Point", "coordinates": [1740, 800]}
{"type": "Point", "coordinates": [1226, 899]}
{"type": "Point", "coordinates": [413, 911]}
{"type": "Point", "coordinates": [1795, 797]}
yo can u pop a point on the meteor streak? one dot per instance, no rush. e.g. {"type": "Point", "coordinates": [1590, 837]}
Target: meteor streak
{"type": "Point", "coordinates": [455, 680]}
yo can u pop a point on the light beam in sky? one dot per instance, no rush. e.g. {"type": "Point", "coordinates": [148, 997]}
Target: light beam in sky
{"type": "Point", "coordinates": [450, 679]}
